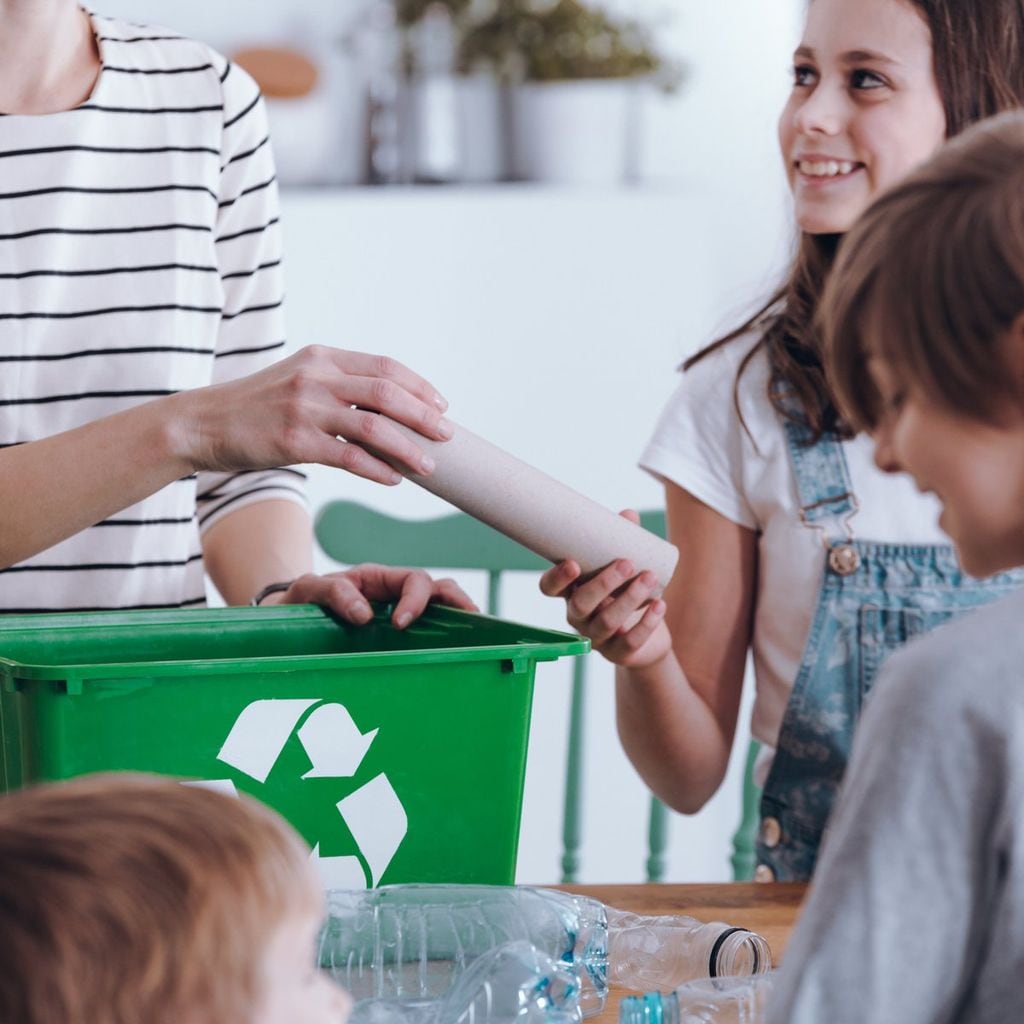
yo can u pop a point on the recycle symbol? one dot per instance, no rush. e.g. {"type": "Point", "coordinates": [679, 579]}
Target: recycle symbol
{"type": "Point", "coordinates": [336, 748]}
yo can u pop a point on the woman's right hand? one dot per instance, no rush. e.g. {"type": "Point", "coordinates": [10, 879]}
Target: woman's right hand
{"type": "Point", "coordinates": [321, 405]}
{"type": "Point", "coordinates": [616, 609]}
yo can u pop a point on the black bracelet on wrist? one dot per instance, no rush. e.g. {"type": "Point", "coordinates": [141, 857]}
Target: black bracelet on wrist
{"type": "Point", "coordinates": [270, 588]}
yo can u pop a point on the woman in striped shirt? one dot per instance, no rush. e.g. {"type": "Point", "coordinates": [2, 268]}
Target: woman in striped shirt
{"type": "Point", "coordinates": [140, 259]}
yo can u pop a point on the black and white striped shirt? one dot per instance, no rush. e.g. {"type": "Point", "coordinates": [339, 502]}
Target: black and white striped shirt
{"type": "Point", "coordinates": [140, 255]}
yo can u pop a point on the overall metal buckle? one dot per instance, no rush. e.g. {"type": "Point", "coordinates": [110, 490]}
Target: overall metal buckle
{"type": "Point", "coordinates": [843, 558]}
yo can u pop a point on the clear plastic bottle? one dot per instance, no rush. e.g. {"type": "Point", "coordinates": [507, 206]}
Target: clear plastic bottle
{"type": "Point", "coordinates": [415, 941]}
{"type": "Point", "coordinates": [512, 984]}
{"type": "Point", "coordinates": [661, 952]}
{"type": "Point", "coordinates": [704, 1001]}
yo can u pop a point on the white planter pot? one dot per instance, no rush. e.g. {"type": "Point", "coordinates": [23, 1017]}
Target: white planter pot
{"type": "Point", "coordinates": [481, 113]}
{"type": "Point", "coordinates": [576, 133]}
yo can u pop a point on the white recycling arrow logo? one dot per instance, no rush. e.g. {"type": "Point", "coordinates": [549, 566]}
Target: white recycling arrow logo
{"type": "Point", "coordinates": [336, 748]}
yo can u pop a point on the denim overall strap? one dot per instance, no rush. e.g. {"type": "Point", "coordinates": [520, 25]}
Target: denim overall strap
{"type": "Point", "coordinates": [822, 478]}
{"type": "Point", "coordinates": [827, 501]}
{"type": "Point", "coordinates": [873, 598]}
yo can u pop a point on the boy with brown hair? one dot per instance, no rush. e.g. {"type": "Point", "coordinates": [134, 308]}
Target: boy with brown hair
{"type": "Point", "coordinates": [126, 899]}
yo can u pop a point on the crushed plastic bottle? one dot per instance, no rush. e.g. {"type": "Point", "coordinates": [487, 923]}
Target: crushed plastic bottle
{"type": "Point", "coordinates": [415, 941]}
{"type": "Point", "coordinates": [514, 983]}
{"type": "Point", "coordinates": [704, 1001]}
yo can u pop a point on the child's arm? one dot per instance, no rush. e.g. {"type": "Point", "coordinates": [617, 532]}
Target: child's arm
{"type": "Point", "coordinates": [680, 676]}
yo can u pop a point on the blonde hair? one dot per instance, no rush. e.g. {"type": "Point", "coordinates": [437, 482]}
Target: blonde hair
{"type": "Point", "coordinates": [931, 279]}
{"type": "Point", "coordinates": [135, 900]}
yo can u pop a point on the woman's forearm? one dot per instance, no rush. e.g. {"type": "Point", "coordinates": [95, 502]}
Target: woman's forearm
{"type": "Point", "coordinates": [267, 542]}
{"type": "Point", "coordinates": [296, 411]}
{"type": "Point", "coordinates": [56, 487]}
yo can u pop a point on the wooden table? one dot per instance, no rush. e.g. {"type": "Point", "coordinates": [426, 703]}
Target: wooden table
{"type": "Point", "coordinates": [769, 909]}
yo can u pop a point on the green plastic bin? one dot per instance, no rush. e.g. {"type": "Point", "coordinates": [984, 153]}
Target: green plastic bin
{"type": "Point", "coordinates": [399, 756]}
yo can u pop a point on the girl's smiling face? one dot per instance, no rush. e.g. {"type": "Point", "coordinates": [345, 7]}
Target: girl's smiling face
{"type": "Point", "coordinates": [865, 108]}
{"type": "Point", "coordinates": [975, 468]}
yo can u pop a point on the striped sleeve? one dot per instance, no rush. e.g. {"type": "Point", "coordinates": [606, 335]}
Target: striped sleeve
{"type": "Point", "coordinates": [247, 240]}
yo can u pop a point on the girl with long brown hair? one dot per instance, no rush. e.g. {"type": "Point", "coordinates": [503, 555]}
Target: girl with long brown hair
{"type": "Point", "coordinates": [793, 545]}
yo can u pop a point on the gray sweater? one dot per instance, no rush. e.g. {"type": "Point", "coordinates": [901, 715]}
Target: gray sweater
{"type": "Point", "coordinates": [916, 911]}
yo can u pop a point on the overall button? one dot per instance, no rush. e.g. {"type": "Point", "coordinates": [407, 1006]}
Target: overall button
{"type": "Point", "coordinates": [763, 873]}
{"type": "Point", "coordinates": [843, 559]}
{"type": "Point", "coordinates": [771, 832]}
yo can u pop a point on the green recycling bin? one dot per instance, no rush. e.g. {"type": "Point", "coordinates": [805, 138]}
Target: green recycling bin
{"type": "Point", "coordinates": [398, 755]}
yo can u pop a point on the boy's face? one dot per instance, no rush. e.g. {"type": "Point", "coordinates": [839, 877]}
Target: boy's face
{"type": "Point", "coordinates": [976, 469]}
{"type": "Point", "coordinates": [295, 990]}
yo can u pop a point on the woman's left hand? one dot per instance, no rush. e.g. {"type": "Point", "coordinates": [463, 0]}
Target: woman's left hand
{"type": "Point", "coordinates": [348, 593]}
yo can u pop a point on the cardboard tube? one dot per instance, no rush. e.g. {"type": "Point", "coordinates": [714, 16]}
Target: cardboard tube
{"type": "Point", "coordinates": [539, 512]}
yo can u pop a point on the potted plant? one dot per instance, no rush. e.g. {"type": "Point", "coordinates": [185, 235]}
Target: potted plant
{"type": "Point", "coordinates": [573, 71]}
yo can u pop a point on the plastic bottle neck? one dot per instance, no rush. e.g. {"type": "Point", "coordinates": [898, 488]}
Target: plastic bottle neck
{"type": "Point", "coordinates": [652, 1008]}
{"type": "Point", "coordinates": [738, 953]}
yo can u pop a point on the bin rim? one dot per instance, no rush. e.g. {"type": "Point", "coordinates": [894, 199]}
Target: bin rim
{"type": "Point", "coordinates": [532, 645]}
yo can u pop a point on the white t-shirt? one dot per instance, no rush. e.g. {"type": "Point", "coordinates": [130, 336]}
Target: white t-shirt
{"type": "Point", "coordinates": [701, 445]}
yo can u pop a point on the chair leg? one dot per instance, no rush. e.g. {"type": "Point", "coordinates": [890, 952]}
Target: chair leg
{"type": "Point", "coordinates": [571, 818]}
{"type": "Point", "coordinates": [493, 591]}
{"type": "Point", "coordinates": [743, 842]}
{"type": "Point", "coordinates": [657, 840]}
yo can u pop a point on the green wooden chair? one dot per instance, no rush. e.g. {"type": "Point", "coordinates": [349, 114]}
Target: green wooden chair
{"type": "Point", "coordinates": [351, 533]}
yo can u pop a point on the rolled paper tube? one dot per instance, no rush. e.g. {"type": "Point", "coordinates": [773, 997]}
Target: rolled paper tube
{"type": "Point", "coordinates": [539, 512]}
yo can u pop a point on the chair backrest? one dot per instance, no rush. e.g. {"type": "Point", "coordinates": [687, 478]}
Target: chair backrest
{"type": "Point", "coordinates": [351, 533]}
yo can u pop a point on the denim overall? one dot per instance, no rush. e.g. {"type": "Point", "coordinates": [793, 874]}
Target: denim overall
{"type": "Point", "coordinates": [873, 599]}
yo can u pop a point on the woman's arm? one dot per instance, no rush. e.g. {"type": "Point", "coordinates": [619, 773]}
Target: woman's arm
{"type": "Point", "coordinates": [680, 659]}
{"type": "Point", "coordinates": [56, 487]}
{"type": "Point", "coordinates": [271, 542]}
{"type": "Point", "coordinates": [293, 412]}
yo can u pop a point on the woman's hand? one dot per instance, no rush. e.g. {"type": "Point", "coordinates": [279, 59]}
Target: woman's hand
{"type": "Point", "coordinates": [616, 609]}
{"type": "Point", "coordinates": [348, 593]}
{"type": "Point", "coordinates": [322, 405]}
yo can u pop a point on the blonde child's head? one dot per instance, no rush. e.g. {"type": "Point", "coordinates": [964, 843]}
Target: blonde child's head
{"type": "Point", "coordinates": [923, 322]}
{"type": "Point", "coordinates": [136, 900]}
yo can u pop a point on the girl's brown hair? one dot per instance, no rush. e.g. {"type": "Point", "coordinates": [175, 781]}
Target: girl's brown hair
{"type": "Point", "coordinates": [931, 280]}
{"type": "Point", "coordinates": [978, 55]}
{"type": "Point", "coordinates": [126, 899]}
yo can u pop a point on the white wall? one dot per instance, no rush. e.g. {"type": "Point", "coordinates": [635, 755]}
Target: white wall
{"type": "Point", "coordinates": [553, 320]}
